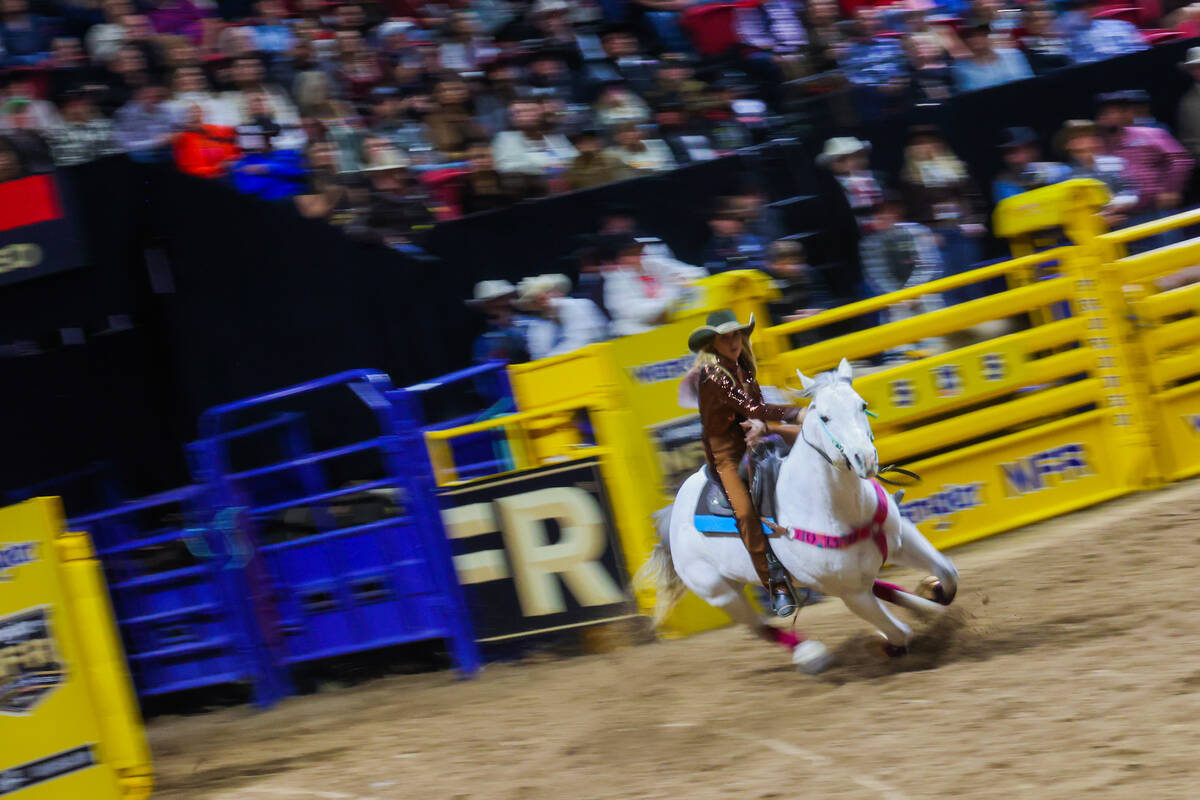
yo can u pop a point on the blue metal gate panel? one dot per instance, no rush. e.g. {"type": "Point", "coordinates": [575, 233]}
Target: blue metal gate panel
{"type": "Point", "coordinates": [344, 588]}
{"type": "Point", "coordinates": [179, 599]}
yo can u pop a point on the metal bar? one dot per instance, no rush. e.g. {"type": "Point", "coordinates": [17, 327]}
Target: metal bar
{"type": "Point", "coordinates": [989, 420]}
{"type": "Point", "coordinates": [509, 419]}
{"type": "Point", "coordinates": [171, 576]}
{"type": "Point", "coordinates": [1167, 370]}
{"type": "Point", "coordinates": [203, 609]}
{"type": "Point", "coordinates": [180, 495]}
{"type": "Point", "coordinates": [149, 541]}
{"type": "Point", "coordinates": [933, 287]}
{"type": "Point", "coordinates": [1146, 229]}
{"type": "Point", "coordinates": [1176, 301]}
{"type": "Point", "coordinates": [216, 643]}
{"type": "Point", "coordinates": [311, 458]}
{"type": "Point", "coordinates": [1153, 263]}
{"type": "Point", "coordinates": [933, 323]}
{"type": "Point", "coordinates": [1173, 334]}
{"type": "Point", "coordinates": [382, 483]}
{"type": "Point", "coordinates": [275, 422]}
{"type": "Point", "coordinates": [455, 377]}
{"type": "Point", "coordinates": [210, 419]}
{"type": "Point", "coordinates": [318, 538]}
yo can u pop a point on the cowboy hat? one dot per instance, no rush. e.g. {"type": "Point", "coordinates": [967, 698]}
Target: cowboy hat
{"type": "Point", "coordinates": [840, 146]}
{"type": "Point", "coordinates": [1192, 59]}
{"type": "Point", "coordinates": [1019, 136]}
{"type": "Point", "coordinates": [718, 322]}
{"type": "Point", "coordinates": [388, 159]}
{"type": "Point", "coordinates": [1072, 128]}
{"type": "Point", "coordinates": [487, 291]}
{"type": "Point", "coordinates": [529, 289]}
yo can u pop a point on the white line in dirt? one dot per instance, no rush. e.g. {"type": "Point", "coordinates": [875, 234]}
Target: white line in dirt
{"type": "Point", "coordinates": [886, 791]}
{"type": "Point", "coordinates": [288, 791]}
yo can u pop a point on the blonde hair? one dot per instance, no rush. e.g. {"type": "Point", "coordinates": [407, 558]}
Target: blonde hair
{"type": "Point", "coordinates": [707, 357]}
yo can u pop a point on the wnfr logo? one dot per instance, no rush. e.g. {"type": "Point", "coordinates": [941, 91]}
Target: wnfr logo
{"type": "Point", "coordinates": [15, 555]}
{"type": "Point", "coordinates": [993, 366]}
{"type": "Point", "coordinates": [942, 505]}
{"type": "Point", "coordinates": [1031, 474]}
{"type": "Point", "coordinates": [947, 380]}
{"type": "Point", "coordinates": [903, 394]}
{"type": "Point", "coordinates": [659, 371]}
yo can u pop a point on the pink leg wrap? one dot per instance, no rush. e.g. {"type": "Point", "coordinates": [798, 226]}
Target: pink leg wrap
{"type": "Point", "coordinates": [886, 591]}
{"type": "Point", "coordinates": [785, 638]}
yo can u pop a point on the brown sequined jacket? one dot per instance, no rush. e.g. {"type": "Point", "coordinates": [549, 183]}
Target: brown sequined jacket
{"type": "Point", "coordinates": [725, 403]}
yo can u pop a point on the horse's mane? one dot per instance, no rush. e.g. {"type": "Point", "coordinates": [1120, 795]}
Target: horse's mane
{"type": "Point", "coordinates": [822, 381]}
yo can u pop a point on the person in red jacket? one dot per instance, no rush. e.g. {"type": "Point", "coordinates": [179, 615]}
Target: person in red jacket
{"type": "Point", "coordinates": [205, 151]}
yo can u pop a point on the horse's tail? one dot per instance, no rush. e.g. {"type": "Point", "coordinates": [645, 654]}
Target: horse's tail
{"type": "Point", "coordinates": [658, 574]}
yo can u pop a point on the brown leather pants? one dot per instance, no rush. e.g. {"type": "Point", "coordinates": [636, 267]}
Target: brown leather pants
{"type": "Point", "coordinates": [748, 523]}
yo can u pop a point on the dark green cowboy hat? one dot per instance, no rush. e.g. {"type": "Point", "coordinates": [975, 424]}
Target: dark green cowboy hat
{"type": "Point", "coordinates": [718, 322]}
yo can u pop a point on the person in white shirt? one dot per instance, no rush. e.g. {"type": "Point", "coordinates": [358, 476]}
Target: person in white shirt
{"type": "Point", "coordinates": [559, 323]}
{"type": "Point", "coordinates": [648, 155]}
{"type": "Point", "coordinates": [637, 298]}
{"type": "Point", "coordinates": [529, 149]}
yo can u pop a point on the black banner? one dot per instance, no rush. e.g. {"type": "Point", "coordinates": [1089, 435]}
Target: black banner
{"type": "Point", "coordinates": [38, 231]}
{"type": "Point", "coordinates": [537, 551]}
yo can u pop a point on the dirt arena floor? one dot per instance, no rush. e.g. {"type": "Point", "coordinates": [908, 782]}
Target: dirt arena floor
{"type": "Point", "coordinates": [1067, 669]}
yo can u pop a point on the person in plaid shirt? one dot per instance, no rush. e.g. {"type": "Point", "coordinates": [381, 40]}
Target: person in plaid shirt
{"type": "Point", "coordinates": [1157, 166]}
{"type": "Point", "coordinates": [1097, 39]}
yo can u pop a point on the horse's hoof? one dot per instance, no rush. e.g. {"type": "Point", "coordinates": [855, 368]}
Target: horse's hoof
{"type": "Point", "coordinates": [931, 589]}
{"type": "Point", "coordinates": [895, 650]}
{"type": "Point", "coordinates": [811, 657]}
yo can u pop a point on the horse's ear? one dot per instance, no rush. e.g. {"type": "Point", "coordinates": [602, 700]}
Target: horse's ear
{"type": "Point", "coordinates": [806, 382]}
{"type": "Point", "coordinates": [845, 371]}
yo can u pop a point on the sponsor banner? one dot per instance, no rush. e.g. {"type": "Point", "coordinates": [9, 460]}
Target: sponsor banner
{"type": "Point", "coordinates": [38, 231]}
{"type": "Point", "coordinates": [23, 776]}
{"type": "Point", "coordinates": [537, 551]}
{"type": "Point", "coordinates": [679, 449]}
{"type": "Point", "coordinates": [1008, 482]}
{"type": "Point", "coordinates": [30, 666]}
{"type": "Point", "coordinates": [16, 554]}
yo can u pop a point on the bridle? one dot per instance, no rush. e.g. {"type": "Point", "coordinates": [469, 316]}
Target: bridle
{"type": "Point", "coordinates": [842, 451]}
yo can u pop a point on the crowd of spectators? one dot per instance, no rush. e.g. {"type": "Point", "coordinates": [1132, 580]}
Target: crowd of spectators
{"type": "Point", "coordinates": [383, 116]}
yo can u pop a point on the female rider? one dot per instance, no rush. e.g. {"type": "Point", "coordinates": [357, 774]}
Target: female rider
{"type": "Point", "coordinates": [730, 402]}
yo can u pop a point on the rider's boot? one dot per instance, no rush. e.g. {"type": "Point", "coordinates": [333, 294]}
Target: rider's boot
{"type": "Point", "coordinates": [783, 598]}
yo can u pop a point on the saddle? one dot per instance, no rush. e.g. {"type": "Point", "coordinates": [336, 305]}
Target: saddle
{"type": "Point", "coordinates": [714, 514]}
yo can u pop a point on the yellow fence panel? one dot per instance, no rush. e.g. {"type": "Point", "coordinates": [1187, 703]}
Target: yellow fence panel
{"type": "Point", "coordinates": [69, 723]}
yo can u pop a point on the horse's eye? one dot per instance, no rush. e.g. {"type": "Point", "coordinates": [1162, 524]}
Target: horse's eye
{"type": "Point", "coordinates": [824, 418]}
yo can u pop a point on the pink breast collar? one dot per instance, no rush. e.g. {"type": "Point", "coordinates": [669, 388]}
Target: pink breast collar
{"type": "Point", "coordinates": [872, 530]}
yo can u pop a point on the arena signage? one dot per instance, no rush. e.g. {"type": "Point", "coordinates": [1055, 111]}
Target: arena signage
{"type": "Point", "coordinates": [680, 450]}
{"type": "Point", "coordinates": [942, 505]}
{"type": "Point", "coordinates": [38, 232]}
{"type": "Point", "coordinates": [1033, 473]}
{"type": "Point", "coordinates": [659, 371]}
{"type": "Point", "coordinates": [14, 555]}
{"type": "Point", "coordinates": [537, 551]}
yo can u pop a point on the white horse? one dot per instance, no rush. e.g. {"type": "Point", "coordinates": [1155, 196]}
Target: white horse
{"type": "Point", "coordinates": [832, 511]}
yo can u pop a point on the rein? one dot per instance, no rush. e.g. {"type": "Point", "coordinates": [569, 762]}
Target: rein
{"type": "Point", "coordinates": [915, 478]}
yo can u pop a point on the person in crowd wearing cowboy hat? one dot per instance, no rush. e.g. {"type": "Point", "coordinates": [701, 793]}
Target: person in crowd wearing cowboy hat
{"type": "Point", "coordinates": [505, 338]}
{"type": "Point", "coordinates": [1188, 119]}
{"type": "Point", "coordinates": [398, 210]}
{"type": "Point", "coordinates": [727, 393]}
{"type": "Point", "coordinates": [1080, 144]}
{"type": "Point", "coordinates": [846, 158]}
{"type": "Point", "coordinates": [558, 324]}
{"type": "Point", "coordinates": [1024, 169]}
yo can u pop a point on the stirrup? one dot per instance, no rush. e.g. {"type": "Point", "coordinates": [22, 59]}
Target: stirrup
{"type": "Point", "coordinates": [783, 600]}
